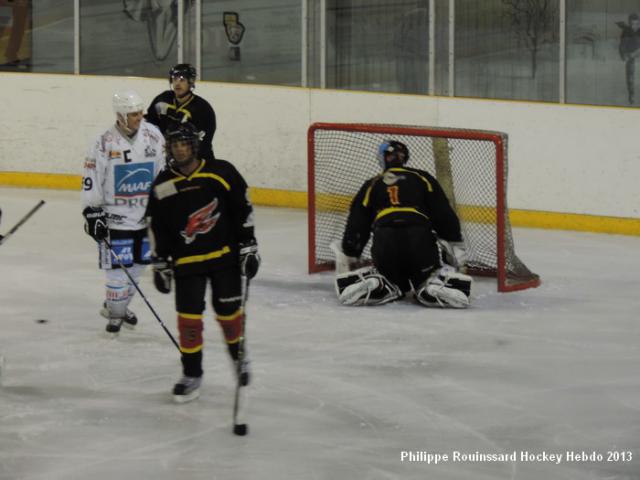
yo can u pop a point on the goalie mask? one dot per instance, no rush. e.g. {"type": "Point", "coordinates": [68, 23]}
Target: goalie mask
{"type": "Point", "coordinates": [186, 71]}
{"type": "Point", "coordinates": [183, 142]}
{"type": "Point", "coordinates": [125, 102]}
{"type": "Point", "coordinates": [392, 154]}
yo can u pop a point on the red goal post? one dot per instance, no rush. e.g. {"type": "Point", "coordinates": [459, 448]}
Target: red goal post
{"type": "Point", "coordinates": [471, 166]}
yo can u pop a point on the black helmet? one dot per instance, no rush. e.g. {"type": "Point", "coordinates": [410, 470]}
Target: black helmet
{"type": "Point", "coordinates": [184, 70]}
{"type": "Point", "coordinates": [392, 154]}
{"type": "Point", "coordinates": [182, 132]}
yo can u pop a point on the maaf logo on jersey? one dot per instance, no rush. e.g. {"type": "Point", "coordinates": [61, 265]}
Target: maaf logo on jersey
{"type": "Point", "coordinates": [132, 183]}
{"type": "Point", "coordinates": [200, 221]}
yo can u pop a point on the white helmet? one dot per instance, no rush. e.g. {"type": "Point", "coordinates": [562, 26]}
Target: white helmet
{"type": "Point", "coordinates": [127, 101]}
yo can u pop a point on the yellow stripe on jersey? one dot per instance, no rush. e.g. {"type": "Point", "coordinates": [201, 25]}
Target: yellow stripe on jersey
{"type": "Point", "coordinates": [424, 179]}
{"type": "Point", "coordinates": [204, 257]}
{"type": "Point", "coordinates": [365, 201]}
{"type": "Point", "coordinates": [196, 174]}
{"type": "Point", "coordinates": [387, 211]}
{"type": "Point", "coordinates": [214, 176]}
{"type": "Point", "coordinates": [181, 108]}
{"type": "Point", "coordinates": [180, 176]}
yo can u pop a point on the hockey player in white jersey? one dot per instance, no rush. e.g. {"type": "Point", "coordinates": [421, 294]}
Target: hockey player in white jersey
{"type": "Point", "coordinates": [118, 172]}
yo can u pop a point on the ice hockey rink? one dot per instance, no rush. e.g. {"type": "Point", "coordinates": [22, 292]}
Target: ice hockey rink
{"type": "Point", "coordinates": [337, 392]}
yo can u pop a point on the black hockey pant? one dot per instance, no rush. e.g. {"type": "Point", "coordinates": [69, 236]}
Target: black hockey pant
{"type": "Point", "coordinates": [405, 254]}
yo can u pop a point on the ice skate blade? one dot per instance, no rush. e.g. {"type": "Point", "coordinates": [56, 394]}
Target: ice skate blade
{"type": "Point", "coordinates": [187, 398]}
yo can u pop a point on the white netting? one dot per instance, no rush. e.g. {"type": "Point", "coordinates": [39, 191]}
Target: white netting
{"type": "Point", "coordinates": [342, 159]}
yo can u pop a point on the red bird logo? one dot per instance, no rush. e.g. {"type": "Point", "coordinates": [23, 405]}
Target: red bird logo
{"type": "Point", "coordinates": [201, 221]}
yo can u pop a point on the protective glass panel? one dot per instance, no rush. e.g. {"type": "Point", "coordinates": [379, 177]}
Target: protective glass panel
{"type": "Point", "coordinates": [603, 43]}
{"type": "Point", "coordinates": [245, 41]}
{"type": "Point", "coordinates": [378, 45]}
{"type": "Point", "coordinates": [16, 45]}
{"type": "Point", "coordinates": [507, 49]}
{"type": "Point", "coordinates": [130, 37]}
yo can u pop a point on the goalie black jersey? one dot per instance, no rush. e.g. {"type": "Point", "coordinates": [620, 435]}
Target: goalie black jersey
{"type": "Point", "coordinates": [165, 112]}
{"type": "Point", "coordinates": [401, 196]}
{"type": "Point", "coordinates": [198, 221]}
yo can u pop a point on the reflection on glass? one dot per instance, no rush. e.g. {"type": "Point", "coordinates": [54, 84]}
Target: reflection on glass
{"type": "Point", "coordinates": [251, 41]}
{"type": "Point", "coordinates": [378, 45]}
{"type": "Point", "coordinates": [603, 42]}
{"type": "Point", "coordinates": [134, 37]}
{"type": "Point", "coordinates": [15, 35]}
{"type": "Point", "coordinates": [507, 49]}
{"type": "Point", "coordinates": [503, 48]}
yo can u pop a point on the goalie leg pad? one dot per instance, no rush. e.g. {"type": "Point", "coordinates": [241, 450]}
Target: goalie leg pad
{"type": "Point", "coordinates": [365, 286]}
{"type": "Point", "coordinates": [446, 288]}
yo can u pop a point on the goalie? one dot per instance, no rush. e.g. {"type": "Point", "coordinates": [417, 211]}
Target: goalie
{"type": "Point", "coordinates": [413, 227]}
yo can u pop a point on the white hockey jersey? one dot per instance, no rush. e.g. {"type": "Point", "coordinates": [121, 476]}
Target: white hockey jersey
{"type": "Point", "coordinates": [118, 172]}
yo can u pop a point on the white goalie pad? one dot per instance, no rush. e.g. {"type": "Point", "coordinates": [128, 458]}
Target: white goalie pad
{"type": "Point", "coordinates": [365, 286]}
{"type": "Point", "coordinates": [446, 288]}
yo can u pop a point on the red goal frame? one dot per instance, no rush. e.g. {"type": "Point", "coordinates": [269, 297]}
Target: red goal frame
{"type": "Point", "coordinates": [506, 282]}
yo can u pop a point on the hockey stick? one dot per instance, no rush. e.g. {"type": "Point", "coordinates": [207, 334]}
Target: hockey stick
{"type": "Point", "coordinates": [135, 284]}
{"type": "Point", "coordinates": [19, 224]}
{"type": "Point", "coordinates": [240, 426]}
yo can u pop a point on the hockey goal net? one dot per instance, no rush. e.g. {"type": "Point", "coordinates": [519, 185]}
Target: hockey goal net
{"type": "Point", "coordinates": [471, 166]}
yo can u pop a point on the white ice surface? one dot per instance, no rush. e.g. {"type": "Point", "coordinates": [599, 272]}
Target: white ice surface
{"type": "Point", "coordinates": [338, 392]}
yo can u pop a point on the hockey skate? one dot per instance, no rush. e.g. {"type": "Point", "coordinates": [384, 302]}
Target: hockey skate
{"type": "Point", "coordinates": [187, 389]}
{"type": "Point", "coordinates": [113, 326]}
{"type": "Point", "coordinates": [130, 319]}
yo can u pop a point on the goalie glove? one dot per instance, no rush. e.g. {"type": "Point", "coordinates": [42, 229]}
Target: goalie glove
{"type": "Point", "coordinates": [454, 253]}
{"type": "Point", "coordinates": [249, 258]}
{"type": "Point", "coordinates": [95, 223]}
{"type": "Point", "coordinates": [162, 274]}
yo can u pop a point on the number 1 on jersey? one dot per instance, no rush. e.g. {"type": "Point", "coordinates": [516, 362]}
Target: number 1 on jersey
{"type": "Point", "coordinates": [394, 197]}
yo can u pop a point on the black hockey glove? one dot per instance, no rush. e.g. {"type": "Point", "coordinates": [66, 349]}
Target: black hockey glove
{"type": "Point", "coordinates": [95, 223]}
{"type": "Point", "coordinates": [162, 274]}
{"type": "Point", "coordinates": [249, 259]}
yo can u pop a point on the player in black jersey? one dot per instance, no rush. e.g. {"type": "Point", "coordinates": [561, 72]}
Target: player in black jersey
{"type": "Point", "coordinates": [410, 216]}
{"type": "Point", "coordinates": [202, 232]}
{"type": "Point", "coordinates": [180, 105]}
